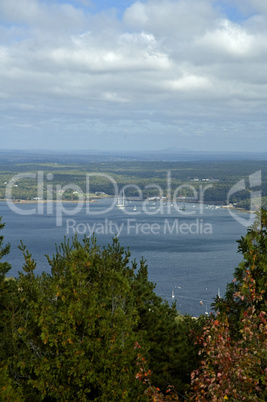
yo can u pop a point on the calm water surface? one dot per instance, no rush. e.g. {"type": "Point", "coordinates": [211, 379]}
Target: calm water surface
{"type": "Point", "coordinates": [188, 257]}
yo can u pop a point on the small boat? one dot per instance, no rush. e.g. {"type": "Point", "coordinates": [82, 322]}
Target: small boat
{"type": "Point", "coordinates": [134, 208]}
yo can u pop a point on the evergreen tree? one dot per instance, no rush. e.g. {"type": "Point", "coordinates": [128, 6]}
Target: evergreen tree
{"type": "Point", "coordinates": [172, 354]}
{"type": "Point", "coordinates": [234, 344]}
{"type": "Point", "coordinates": [72, 334]}
{"type": "Point", "coordinates": [76, 329]}
{"type": "Point", "coordinates": [6, 302]}
{"type": "Point", "coordinates": [4, 251]}
{"type": "Point", "coordinates": [250, 276]}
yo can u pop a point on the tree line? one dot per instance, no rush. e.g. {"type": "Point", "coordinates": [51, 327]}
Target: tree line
{"type": "Point", "coordinates": [221, 176]}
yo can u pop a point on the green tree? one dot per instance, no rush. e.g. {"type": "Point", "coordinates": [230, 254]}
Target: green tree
{"type": "Point", "coordinates": [76, 334]}
{"type": "Point", "coordinates": [8, 319]}
{"type": "Point", "coordinates": [172, 354]}
{"type": "Point", "coordinates": [229, 368]}
{"type": "Point", "coordinates": [234, 345]}
{"type": "Point", "coordinates": [250, 276]}
{"type": "Point", "coordinates": [4, 251]}
{"type": "Point", "coordinates": [5, 300]}
{"type": "Point", "coordinates": [72, 334]}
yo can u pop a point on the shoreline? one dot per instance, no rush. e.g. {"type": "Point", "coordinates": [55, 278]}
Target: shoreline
{"type": "Point", "coordinates": [238, 209]}
{"type": "Point", "coordinates": [96, 199]}
{"type": "Point", "coordinates": [46, 201]}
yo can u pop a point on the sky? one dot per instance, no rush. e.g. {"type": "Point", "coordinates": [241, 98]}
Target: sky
{"type": "Point", "coordinates": [133, 75]}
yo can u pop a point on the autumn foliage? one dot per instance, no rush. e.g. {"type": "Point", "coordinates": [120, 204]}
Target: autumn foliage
{"type": "Point", "coordinates": [234, 356]}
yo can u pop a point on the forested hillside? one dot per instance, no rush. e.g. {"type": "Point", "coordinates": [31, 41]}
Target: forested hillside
{"type": "Point", "coordinates": [214, 178]}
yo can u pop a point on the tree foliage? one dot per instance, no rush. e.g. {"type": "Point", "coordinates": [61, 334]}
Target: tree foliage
{"type": "Point", "coordinates": [94, 329]}
{"type": "Point", "coordinates": [75, 328]}
{"type": "Point", "coordinates": [4, 251]}
{"type": "Point", "coordinates": [172, 354]}
{"type": "Point", "coordinates": [234, 344]}
{"type": "Point", "coordinates": [72, 334]}
{"type": "Point", "coordinates": [248, 287]}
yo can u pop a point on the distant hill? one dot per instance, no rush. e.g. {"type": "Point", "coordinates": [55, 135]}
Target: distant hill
{"type": "Point", "coordinates": [168, 155]}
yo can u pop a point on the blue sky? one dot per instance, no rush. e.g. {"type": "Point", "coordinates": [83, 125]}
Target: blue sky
{"type": "Point", "coordinates": [228, 7]}
{"type": "Point", "coordinates": [97, 6]}
{"type": "Point", "coordinates": [133, 75]}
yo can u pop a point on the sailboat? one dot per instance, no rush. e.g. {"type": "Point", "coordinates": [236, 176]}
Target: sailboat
{"type": "Point", "coordinates": [182, 208]}
{"type": "Point", "coordinates": [121, 205]}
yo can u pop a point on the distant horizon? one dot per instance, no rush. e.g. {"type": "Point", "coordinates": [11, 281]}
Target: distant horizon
{"type": "Point", "coordinates": [127, 151]}
{"type": "Point", "coordinates": [99, 156]}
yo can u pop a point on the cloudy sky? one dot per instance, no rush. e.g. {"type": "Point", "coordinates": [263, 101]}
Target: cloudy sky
{"type": "Point", "coordinates": [133, 75]}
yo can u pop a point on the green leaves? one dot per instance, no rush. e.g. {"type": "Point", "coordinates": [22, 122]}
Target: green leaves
{"type": "Point", "coordinates": [74, 336]}
{"type": "Point", "coordinates": [71, 334]}
{"type": "Point", "coordinates": [29, 265]}
{"type": "Point", "coordinates": [234, 345]}
{"type": "Point", "coordinates": [4, 251]}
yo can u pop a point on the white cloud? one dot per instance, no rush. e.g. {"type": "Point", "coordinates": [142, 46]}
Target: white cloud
{"type": "Point", "coordinates": [165, 61]}
{"type": "Point", "coordinates": [45, 18]}
{"type": "Point", "coordinates": [189, 83]}
{"type": "Point", "coordinates": [23, 11]}
{"type": "Point", "coordinates": [229, 38]}
{"type": "Point", "coordinates": [184, 17]}
{"type": "Point", "coordinates": [127, 52]}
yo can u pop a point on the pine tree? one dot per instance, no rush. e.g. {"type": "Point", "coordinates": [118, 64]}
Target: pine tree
{"type": "Point", "coordinates": [5, 289]}
{"type": "Point", "coordinates": [172, 354]}
{"type": "Point", "coordinates": [9, 312]}
{"type": "Point", "coordinates": [72, 334]}
{"type": "Point", "coordinates": [249, 277]}
{"type": "Point", "coordinates": [76, 336]}
{"type": "Point", "coordinates": [4, 251]}
{"type": "Point", "coordinates": [234, 344]}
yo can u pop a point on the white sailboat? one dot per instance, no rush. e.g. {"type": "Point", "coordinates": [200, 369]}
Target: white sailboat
{"type": "Point", "coordinates": [121, 205]}
{"type": "Point", "coordinates": [182, 208]}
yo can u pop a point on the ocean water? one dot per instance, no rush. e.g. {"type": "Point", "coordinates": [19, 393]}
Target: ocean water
{"type": "Point", "coordinates": [190, 254]}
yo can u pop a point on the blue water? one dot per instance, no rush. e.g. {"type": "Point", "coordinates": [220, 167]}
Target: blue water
{"type": "Point", "coordinates": [189, 256]}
